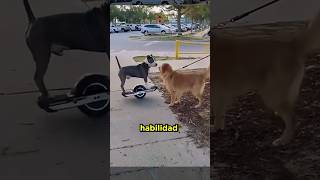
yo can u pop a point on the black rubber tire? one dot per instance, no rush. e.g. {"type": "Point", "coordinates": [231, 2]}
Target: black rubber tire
{"type": "Point", "coordinates": [139, 88]}
{"type": "Point", "coordinates": [90, 85]}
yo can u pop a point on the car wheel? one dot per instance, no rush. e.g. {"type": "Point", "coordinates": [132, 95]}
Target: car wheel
{"type": "Point", "coordinates": [163, 32]}
{"type": "Point", "coordinates": [165, 3]}
{"type": "Point", "coordinates": [146, 33]}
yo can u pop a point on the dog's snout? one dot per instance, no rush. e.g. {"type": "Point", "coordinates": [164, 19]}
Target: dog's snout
{"type": "Point", "coordinates": [156, 64]}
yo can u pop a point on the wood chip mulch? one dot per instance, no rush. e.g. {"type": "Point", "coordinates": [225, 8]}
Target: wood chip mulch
{"type": "Point", "coordinates": [243, 151]}
{"type": "Point", "coordinates": [196, 119]}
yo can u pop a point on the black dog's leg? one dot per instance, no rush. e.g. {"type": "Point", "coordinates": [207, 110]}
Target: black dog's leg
{"type": "Point", "coordinates": [123, 81]}
{"type": "Point", "coordinates": [146, 82]}
{"type": "Point", "coordinates": [41, 57]}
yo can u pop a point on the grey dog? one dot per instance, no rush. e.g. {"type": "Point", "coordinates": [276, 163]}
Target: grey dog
{"type": "Point", "coordinates": [56, 33]}
{"type": "Point", "coordinates": [139, 71]}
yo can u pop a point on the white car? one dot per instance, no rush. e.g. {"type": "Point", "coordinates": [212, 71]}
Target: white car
{"type": "Point", "coordinates": [188, 26]}
{"type": "Point", "coordinates": [123, 27]}
{"type": "Point", "coordinates": [183, 27]}
{"type": "Point", "coordinates": [172, 28]}
{"type": "Point", "coordinates": [133, 27]}
{"type": "Point", "coordinates": [149, 29]}
{"type": "Point", "coordinates": [114, 29]}
{"type": "Point", "coordinates": [157, 2]}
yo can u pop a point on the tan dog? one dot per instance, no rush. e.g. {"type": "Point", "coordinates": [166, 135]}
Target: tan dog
{"type": "Point", "coordinates": [178, 83]}
{"type": "Point", "coordinates": [272, 67]}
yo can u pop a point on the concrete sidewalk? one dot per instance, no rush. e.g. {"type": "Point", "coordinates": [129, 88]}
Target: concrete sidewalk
{"type": "Point", "coordinates": [157, 173]}
{"type": "Point", "coordinates": [131, 148]}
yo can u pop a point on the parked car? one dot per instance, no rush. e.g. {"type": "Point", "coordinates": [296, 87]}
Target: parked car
{"type": "Point", "coordinates": [172, 28]}
{"type": "Point", "coordinates": [149, 29]}
{"type": "Point", "coordinates": [188, 26]}
{"type": "Point", "coordinates": [114, 29]}
{"type": "Point", "coordinates": [138, 27]}
{"type": "Point", "coordinates": [134, 27]}
{"type": "Point", "coordinates": [183, 28]}
{"type": "Point", "coordinates": [123, 26]}
{"type": "Point", "coordinates": [196, 26]}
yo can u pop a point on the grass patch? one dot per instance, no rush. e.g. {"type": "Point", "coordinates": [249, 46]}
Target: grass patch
{"type": "Point", "coordinates": [160, 58]}
{"type": "Point", "coordinates": [187, 37]}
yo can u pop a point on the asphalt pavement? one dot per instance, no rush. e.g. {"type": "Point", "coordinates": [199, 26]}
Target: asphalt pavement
{"type": "Point", "coordinates": [121, 42]}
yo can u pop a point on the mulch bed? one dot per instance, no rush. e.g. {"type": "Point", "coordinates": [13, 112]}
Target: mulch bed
{"type": "Point", "coordinates": [243, 151]}
{"type": "Point", "coordinates": [196, 119]}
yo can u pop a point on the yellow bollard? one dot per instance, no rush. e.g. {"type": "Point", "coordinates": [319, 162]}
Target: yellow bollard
{"type": "Point", "coordinates": [177, 48]}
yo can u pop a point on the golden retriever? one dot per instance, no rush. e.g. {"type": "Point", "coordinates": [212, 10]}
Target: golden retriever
{"type": "Point", "coordinates": [177, 83]}
{"type": "Point", "coordinates": [272, 67]}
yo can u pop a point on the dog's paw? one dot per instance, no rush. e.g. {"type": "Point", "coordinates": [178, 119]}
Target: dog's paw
{"type": "Point", "coordinates": [176, 102]}
{"type": "Point", "coordinates": [197, 106]}
{"type": "Point", "coordinates": [44, 103]}
{"type": "Point", "coordinates": [171, 104]}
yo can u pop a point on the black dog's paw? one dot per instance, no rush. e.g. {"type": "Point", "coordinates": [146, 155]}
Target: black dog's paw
{"type": "Point", "coordinates": [124, 94]}
{"type": "Point", "coordinates": [44, 102]}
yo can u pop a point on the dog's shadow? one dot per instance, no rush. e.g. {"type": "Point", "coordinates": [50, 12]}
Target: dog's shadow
{"type": "Point", "coordinates": [147, 102]}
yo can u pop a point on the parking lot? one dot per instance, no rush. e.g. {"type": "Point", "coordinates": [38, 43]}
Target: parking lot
{"type": "Point", "coordinates": [122, 42]}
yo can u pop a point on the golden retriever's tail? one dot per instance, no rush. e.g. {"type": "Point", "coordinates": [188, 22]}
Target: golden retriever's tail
{"type": "Point", "coordinates": [207, 73]}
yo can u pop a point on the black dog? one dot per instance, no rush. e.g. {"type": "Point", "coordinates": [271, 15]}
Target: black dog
{"type": "Point", "coordinates": [56, 33]}
{"type": "Point", "coordinates": [139, 71]}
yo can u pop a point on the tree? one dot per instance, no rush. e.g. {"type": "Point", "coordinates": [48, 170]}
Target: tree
{"type": "Point", "coordinates": [131, 14]}
{"type": "Point", "coordinates": [180, 10]}
{"type": "Point", "coordinates": [198, 13]}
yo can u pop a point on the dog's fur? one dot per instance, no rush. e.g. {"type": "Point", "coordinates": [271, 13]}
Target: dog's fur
{"type": "Point", "coordinates": [272, 67]}
{"type": "Point", "coordinates": [56, 33]}
{"type": "Point", "coordinates": [138, 71]}
{"type": "Point", "coordinates": [177, 83]}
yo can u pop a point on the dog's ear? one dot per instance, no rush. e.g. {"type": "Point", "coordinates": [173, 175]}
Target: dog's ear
{"type": "Point", "coordinates": [166, 68]}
